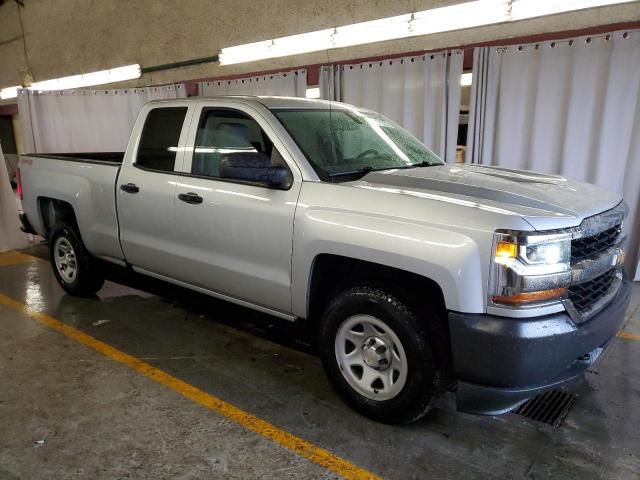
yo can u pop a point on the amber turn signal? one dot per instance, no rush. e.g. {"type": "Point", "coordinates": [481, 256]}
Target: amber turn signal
{"type": "Point", "coordinates": [528, 297]}
{"type": "Point", "coordinates": [506, 250]}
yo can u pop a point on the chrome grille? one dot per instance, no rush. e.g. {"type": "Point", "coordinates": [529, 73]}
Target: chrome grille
{"type": "Point", "coordinates": [585, 295]}
{"type": "Point", "coordinates": [596, 272]}
{"type": "Point", "coordinates": [587, 247]}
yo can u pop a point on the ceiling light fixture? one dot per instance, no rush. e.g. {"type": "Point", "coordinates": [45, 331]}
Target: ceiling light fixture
{"type": "Point", "coordinates": [460, 16]}
{"type": "Point", "coordinates": [9, 92]}
{"type": "Point", "coordinates": [521, 9]}
{"type": "Point", "coordinates": [454, 17]}
{"type": "Point", "coordinates": [118, 74]}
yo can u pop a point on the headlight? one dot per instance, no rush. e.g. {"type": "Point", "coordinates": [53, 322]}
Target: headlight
{"type": "Point", "coordinates": [529, 269]}
{"type": "Point", "coordinates": [547, 253]}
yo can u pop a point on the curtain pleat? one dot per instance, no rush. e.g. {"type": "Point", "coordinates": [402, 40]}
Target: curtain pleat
{"type": "Point", "coordinates": [286, 84]}
{"type": "Point", "coordinates": [420, 93]}
{"type": "Point", "coordinates": [569, 107]}
{"type": "Point", "coordinates": [330, 82]}
{"type": "Point", "coordinates": [452, 104]}
{"type": "Point", "coordinates": [84, 120]}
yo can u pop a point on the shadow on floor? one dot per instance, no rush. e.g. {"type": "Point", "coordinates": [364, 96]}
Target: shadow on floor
{"type": "Point", "coordinates": [297, 335]}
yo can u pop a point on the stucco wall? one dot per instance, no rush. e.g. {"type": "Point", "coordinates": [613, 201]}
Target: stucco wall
{"type": "Point", "coordinates": [65, 37]}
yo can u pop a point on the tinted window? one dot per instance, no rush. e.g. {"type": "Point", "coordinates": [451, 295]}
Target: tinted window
{"type": "Point", "coordinates": [159, 140]}
{"type": "Point", "coordinates": [226, 132]}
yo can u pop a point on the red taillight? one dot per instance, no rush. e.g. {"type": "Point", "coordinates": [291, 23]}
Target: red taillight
{"type": "Point", "coordinates": [19, 182]}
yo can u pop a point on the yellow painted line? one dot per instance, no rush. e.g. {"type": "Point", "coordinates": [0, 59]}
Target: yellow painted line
{"type": "Point", "coordinates": [13, 258]}
{"type": "Point", "coordinates": [35, 257]}
{"type": "Point", "coordinates": [629, 336]}
{"type": "Point", "coordinates": [285, 439]}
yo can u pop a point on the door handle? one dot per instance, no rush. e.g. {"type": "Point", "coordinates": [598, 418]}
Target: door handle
{"type": "Point", "coordinates": [130, 188]}
{"type": "Point", "coordinates": [190, 197]}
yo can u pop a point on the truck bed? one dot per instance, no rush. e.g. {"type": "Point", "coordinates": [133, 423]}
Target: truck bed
{"type": "Point", "coordinates": [86, 182]}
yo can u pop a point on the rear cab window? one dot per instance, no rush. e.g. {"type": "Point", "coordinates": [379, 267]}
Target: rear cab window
{"type": "Point", "coordinates": [159, 139]}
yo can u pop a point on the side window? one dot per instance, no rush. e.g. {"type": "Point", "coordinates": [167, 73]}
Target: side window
{"type": "Point", "coordinates": [159, 140]}
{"type": "Point", "coordinates": [224, 134]}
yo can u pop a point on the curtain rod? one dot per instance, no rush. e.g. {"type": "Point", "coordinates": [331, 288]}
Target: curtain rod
{"type": "Point", "coordinates": [568, 41]}
{"type": "Point", "coordinates": [411, 58]}
{"type": "Point", "coordinates": [252, 79]}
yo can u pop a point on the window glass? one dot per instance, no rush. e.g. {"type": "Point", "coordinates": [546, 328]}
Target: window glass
{"type": "Point", "coordinates": [159, 140]}
{"type": "Point", "coordinates": [341, 144]}
{"type": "Point", "coordinates": [225, 133]}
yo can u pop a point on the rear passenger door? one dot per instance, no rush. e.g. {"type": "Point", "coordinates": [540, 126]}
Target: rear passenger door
{"type": "Point", "coordinates": [237, 241]}
{"type": "Point", "coordinates": [146, 190]}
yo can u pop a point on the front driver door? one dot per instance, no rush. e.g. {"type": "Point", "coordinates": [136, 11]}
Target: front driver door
{"type": "Point", "coordinates": [237, 240]}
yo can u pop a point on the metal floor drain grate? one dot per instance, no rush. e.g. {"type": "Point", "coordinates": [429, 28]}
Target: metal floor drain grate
{"type": "Point", "coordinates": [550, 407]}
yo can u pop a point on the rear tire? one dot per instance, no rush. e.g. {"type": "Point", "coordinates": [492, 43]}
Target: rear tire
{"type": "Point", "coordinates": [77, 272]}
{"type": "Point", "coordinates": [378, 357]}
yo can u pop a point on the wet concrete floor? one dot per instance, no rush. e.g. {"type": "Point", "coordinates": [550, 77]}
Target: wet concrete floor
{"type": "Point", "coordinates": [68, 412]}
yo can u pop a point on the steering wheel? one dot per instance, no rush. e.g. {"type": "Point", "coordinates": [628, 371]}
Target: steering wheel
{"type": "Point", "coordinates": [367, 153]}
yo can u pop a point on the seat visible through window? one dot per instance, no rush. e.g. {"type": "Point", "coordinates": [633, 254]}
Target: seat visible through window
{"type": "Point", "coordinates": [222, 132]}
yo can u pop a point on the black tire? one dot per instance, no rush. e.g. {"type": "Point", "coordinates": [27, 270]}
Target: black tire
{"type": "Point", "coordinates": [423, 384]}
{"type": "Point", "coordinates": [88, 277]}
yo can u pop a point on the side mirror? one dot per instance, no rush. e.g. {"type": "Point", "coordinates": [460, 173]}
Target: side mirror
{"type": "Point", "coordinates": [255, 167]}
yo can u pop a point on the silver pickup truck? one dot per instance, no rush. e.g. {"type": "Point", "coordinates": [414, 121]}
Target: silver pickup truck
{"type": "Point", "coordinates": [415, 274]}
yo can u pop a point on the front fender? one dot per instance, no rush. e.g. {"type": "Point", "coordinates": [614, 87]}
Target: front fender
{"type": "Point", "coordinates": [450, 258]}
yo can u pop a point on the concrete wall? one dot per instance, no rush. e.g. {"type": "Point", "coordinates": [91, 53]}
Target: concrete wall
{"type": "Point", "coordinates": [65, 37]}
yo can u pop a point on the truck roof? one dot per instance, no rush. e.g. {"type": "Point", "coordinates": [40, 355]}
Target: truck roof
{"type": "Point", "coordinates": [267, 101]}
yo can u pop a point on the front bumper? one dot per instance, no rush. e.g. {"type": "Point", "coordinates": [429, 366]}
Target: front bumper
{"type": "Point", "coordinates": [501, 362]}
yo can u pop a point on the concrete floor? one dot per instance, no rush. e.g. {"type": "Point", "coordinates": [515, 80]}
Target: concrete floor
{"type": "Point", "coordinates": [100, 419]}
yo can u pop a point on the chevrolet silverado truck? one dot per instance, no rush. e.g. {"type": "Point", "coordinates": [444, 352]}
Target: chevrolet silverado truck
{"type": "Point", "coordinates": [414, 274]}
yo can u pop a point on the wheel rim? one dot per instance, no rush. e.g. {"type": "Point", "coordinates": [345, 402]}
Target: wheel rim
{"type": "Point", "coordinates": [65, 259]}
{"type": "Point", "coordinates": [371, 357]}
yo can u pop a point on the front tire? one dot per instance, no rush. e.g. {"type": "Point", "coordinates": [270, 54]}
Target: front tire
{"type": "Point", "coordinates": [377, 356]}
{"type": "Point", "coordinates": [77, 272]}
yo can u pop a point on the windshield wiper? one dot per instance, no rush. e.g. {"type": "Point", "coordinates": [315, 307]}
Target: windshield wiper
{"type": "Point", "coordinates": [424, 163]}
{"type": "Point", "coordinates": [368, 169]}
{"type": "Point", "coordinates": [360, 171]}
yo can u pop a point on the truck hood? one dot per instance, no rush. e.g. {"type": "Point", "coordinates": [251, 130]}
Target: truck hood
{"type": "Point", "coordinates": [544, 201]}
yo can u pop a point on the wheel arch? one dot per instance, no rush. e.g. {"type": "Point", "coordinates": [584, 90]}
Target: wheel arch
{"type": "Point", "coordinates": [355, 272]}
{"type": "Point", "coordinates": [52, 211]}
{"type": "Point", "coordinates": [420, 293]}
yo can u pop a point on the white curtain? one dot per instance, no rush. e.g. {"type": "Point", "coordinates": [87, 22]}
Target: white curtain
{"type": "Point", "coordinates": [286, 84]}
{"type": "Point", "coordinates": [420, 93]}
{"type": "Point", "coordinates": [329, 82]}
{"type": "Point", "coordinates": [11, 237]}
{"type": "Point", "coordinates": [481, 109]}
{"type": "Point", "coordinates": [84, 120]}
{"type": "Point", "coordinates": [569, 107]}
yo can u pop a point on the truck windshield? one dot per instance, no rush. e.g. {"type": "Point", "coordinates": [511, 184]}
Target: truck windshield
{"type": "Point", "coordinates": [345, 144]}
